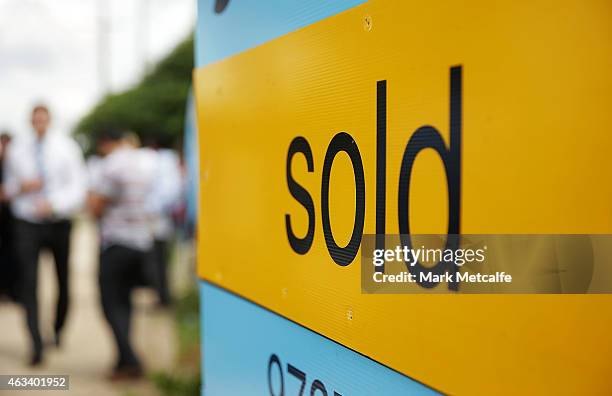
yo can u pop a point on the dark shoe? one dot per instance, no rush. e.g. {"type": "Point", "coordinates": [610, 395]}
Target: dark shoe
{"type": "Point", "coordinates": [36, 358]}
{"type": "Point", "coordinates": [54, 341]}
{"type": "Point", "coordinates": [126, 373]}
{"type": "Point", "coordinates": [163, 306]}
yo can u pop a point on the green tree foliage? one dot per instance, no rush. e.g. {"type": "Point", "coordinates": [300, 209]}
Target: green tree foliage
{"type": "Point", "coordinates": [153, 108]}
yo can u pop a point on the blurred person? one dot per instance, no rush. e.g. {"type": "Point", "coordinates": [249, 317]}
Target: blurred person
{"type": "Point", "coordinates": [45, 182]}
{"type": "Point", "coordinates": [179, 212]}
{"type": "Point", "coordinates": [118, 201]}
{"type": "Point", "coordinates": [131, 139]}
{"type": "Point", "coordinates": [148, 158]}
{"type": "Point", "coordinates": [8, 267]}
{"type": "Point", "coordinates": [94, 170]}
{"type": "Point", "coordinates": [163, 200]}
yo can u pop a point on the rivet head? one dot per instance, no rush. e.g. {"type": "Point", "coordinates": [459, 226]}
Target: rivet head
{"type": "Point", "coordinates": [349, 314]}
{"type": "Point", "coordinates": [367, 23]}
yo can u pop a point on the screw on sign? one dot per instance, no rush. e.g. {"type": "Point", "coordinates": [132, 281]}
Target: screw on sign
{"type": "Point", "coordinates": [220, 6]}
{"type": "Point", "coordinates": [367, 23]}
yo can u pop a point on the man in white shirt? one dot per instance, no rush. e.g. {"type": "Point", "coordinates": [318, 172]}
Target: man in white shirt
{"type": "Point", "coordinates": [118, 199]}
{"type": "Point", "coordinates": [45, 181]}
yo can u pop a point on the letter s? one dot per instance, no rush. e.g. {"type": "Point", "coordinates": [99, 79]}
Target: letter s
{"type": "Point", "coordinates": [300, 245]}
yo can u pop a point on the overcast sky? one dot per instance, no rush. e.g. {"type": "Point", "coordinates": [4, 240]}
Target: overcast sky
{"type": "Point", "coordinates": [49, 52]}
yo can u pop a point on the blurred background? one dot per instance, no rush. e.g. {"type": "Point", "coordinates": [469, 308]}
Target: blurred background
{"type": "Point", "coordinates": [72, 53]}
{"type": "Point", "coordinates": [101, 64]}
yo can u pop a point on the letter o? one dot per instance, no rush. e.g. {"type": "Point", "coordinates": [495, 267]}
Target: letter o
{"type": "Point", "coordinates": [343, 142]}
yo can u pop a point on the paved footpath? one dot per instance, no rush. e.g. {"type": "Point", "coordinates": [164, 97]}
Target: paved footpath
{"type": "Point", "coordinates": [87, 350]}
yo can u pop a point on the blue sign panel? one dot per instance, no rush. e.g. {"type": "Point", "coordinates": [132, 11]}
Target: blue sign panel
{"type": "Point", "coordinates": [249, 350]}
{"type": "Point", "coordinates": [226, 27]}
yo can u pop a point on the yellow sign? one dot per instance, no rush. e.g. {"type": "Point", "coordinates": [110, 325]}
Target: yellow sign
{"type": "Point", "coordinates": [428, 117]}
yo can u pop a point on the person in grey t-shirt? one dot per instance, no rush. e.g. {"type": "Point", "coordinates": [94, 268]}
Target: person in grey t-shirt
{"type": "Point", "coordinates": [117, 199]}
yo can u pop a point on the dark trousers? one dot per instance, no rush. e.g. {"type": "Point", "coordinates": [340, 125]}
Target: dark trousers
{"type": "Point", "coordinates": [9, 285]}
{"type": "Point", "coordinates": [160, 267]}
{"type": "Point", "coordinates": [121, 270]}
{"type": "Point", "coordinates": [30, 239]}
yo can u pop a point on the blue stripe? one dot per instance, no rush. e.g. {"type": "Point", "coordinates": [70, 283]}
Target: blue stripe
{"type": "Point", "coordinates": [244, 24]}
{"type": "Point", "coordinates": [240, 337]}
